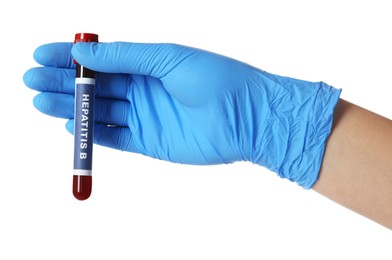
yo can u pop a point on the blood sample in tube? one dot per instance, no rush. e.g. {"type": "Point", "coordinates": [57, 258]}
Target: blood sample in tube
{"type": "Point", "coordinates": [84, 124]}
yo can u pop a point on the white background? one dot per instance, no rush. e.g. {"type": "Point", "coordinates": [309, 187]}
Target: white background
{"type": "Point", "coordinates": [143, 208]}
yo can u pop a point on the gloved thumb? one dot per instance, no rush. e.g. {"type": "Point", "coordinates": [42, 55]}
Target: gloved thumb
{"type": "Point", "coordinates": [152, 59]}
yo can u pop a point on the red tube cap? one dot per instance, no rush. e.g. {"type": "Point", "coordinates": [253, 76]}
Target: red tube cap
{"type": "Point", "coordinates": [86, 37]}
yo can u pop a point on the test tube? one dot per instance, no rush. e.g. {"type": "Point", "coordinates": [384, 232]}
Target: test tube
{"type": "Point", "coordinates": [84, 124]}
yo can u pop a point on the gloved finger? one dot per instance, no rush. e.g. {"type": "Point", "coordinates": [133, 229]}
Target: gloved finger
{"type": "Point", "coordinates": [48, 79]}
{"type": "Point", "coordinates": [55, 55]}
{"type": "Point", "coordinates": [55, 104]}
{"type": "Point", "coordinates": [113, 137]}
{"type": "Point", "coordinates": [152, 59]}
{"type": "Point", "coordinates": [107, 111]}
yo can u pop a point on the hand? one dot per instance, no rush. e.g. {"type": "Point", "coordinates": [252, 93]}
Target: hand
{"type": "Point", "coordinates": [191, 106]}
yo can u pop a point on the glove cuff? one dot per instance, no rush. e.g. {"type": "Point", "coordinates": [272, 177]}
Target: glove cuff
{"type": "Point", "coordinates": [298, 126]}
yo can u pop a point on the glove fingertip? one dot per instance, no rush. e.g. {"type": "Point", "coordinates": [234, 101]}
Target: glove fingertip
{"type": "Point", "coordinates": [76, 51]}
{"type": "Point", "coordinates": [37, 102]}
{"type": "Point", "coordinates": [42, 54]}
{"type": "Point", "coordinates": [82, 51]}
{"type": "Point", "coordinates": [27, 77]}
{"type": "Point", "coordinates": [54, 55]}
{"type": "Point", "coordinates": [70, 126]}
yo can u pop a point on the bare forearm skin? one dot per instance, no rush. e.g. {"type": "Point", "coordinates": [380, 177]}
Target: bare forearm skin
{"type": "Point", "coordinates": [357, 165]}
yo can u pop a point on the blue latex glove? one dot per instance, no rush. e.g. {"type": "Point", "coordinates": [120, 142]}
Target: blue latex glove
{"type": "Point", "coordinates": [191, 106]}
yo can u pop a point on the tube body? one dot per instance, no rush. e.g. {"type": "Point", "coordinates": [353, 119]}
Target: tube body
{"type": "Point", "coordinates": [84, 127]}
